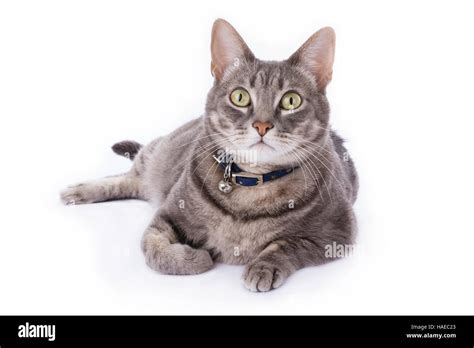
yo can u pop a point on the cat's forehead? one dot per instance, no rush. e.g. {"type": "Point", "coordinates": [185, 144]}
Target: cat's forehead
{"type": "Point", "coordinates": [268, 75]}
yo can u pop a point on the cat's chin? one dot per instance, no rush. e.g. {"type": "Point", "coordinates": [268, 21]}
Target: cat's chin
{"type": "Point", "coordinates": [260, 154]}
{"type": "Point", "coordinates": [269, 156]}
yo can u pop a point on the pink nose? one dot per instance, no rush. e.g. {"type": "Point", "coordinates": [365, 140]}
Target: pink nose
{"type": "Point", "coordinates": [262, 127]}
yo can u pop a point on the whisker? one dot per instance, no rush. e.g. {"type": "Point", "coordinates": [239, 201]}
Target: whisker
{"type": "Point", "coordinates": [209, 151]}
{"type": "Point", "coordinates": [302, 168]}
{"type": "Point", "coordinates": [212, 146]}
{"type": "Point", "coordinates": [322, 162]}
{"type": "Point", "coordinates": [311, 147]}
{"type": "Point", "coordinates": [300, 159]}
{"type": "Point", "coordinates": [329, 170]}
{"type": "Point", "coordinates": [292, 137]}
{"type": "Point", "coordinates": [200, 138]}
{"type": "Point", "coordinates": [313, 173]}
{"type": "Point", "coordinates": [208, 171]}
{"type": "Point", "coordinates": [314, 147]}
{"type": "Point", "coordinates": [316, 167]}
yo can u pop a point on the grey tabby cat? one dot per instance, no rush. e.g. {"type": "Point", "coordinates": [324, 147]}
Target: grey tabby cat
{"type": "Point", "coordinates": [234, 211]}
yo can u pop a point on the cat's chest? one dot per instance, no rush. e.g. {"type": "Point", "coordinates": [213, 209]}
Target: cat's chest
{"type": "Point", "coordinates": [238, 242]}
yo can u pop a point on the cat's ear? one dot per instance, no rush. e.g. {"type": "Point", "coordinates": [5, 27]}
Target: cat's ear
{"type": "Point", "coordinates": [227, 48]}
{"type": "Point", "coordinates": [317, 56]}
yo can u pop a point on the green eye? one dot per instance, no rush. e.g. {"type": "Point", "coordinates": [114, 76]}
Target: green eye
{"type": "Point", "coordinates": [290, 101]}
{"type": "Point", "coordinates": [240, 97]}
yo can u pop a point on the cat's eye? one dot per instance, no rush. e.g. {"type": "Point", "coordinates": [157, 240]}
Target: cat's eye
{"type": "Point", "coordinates": [240, 97]}
{"type": "Point", "coordinates": [290, 101]}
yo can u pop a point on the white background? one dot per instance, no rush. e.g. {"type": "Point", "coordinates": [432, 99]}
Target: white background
{"type": "Point", "coordinates": [77, 76]}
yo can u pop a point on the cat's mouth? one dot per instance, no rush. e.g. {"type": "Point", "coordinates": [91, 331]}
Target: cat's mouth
{"type": "Point", "coordinates": [261, 145]}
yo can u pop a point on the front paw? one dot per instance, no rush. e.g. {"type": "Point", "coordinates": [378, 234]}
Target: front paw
{"type": "Point", "coordinates": [177, 259]}
{"type": "Point", "coordinates": [263, 276]}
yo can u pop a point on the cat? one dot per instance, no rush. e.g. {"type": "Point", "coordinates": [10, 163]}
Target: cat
{"type": "Point", "coordinates": [274, 215]}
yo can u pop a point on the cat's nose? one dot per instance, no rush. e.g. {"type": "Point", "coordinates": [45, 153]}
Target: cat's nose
{"type": "Point", "coordinates": [262, 127]}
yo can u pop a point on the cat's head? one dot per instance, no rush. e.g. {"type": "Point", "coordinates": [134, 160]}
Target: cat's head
{"type": "Point", "coordinates": [268, 109]}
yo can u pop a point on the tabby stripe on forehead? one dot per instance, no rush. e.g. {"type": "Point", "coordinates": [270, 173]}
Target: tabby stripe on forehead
{"type": "Point", "coordinates": [275, 81]}
{"type": "Point", "coordinates": [252, 81]}
{"type": "Point", "coordinates": [262, 77]}
{"type": "Point", "coordinates": [281, 83]}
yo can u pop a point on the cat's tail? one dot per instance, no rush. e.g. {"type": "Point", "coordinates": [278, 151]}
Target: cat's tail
{"type": "Point", "coordinates": [127, 148]}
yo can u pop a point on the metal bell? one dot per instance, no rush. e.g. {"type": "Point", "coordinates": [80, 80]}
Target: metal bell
{"type": "Point", "coordinates": [225, 186]}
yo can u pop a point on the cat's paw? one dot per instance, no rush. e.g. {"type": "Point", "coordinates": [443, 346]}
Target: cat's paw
{"type": "Point", "coordinates": [178, 259]}
{"type": "Point", "coordinates": [77, 194]}
{"type": "Point", "coordinates": [261, 276]}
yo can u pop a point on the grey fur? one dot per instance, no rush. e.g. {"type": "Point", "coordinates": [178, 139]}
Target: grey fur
{"type": "Point", "coordinates": [274, 229]}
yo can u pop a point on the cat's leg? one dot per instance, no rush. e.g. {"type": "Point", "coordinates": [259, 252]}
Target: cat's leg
{"type": "Point", "coordinates": [110, 188]}
{"type": "Point", "coordinates": [301, 248]}
{"type": "Point", "coordinates": [269, 270]}
{"type": "Point", "coordinates": [279, 260]}
{"type": "Point", "coordinates": [165, 254]}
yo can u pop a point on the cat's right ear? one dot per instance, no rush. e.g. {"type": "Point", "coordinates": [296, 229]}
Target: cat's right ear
{"type": "Point", "coordinates": [227, 48]}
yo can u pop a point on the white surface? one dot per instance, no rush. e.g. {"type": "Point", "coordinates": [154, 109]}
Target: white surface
{"type": "Point", "coordinates": [77, 76]}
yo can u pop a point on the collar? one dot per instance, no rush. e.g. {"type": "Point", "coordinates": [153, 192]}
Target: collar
{"type": "Point", "coordinates": [238, 176]}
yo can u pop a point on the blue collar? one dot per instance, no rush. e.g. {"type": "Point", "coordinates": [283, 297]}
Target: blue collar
{"type": "Point", "coordinates": [249, 179]}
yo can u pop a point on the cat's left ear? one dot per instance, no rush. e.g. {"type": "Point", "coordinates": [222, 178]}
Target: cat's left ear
{"type": "Point", "coordinates": [227, 48]}
{"type": "Point", "coordinates": [317, 56]}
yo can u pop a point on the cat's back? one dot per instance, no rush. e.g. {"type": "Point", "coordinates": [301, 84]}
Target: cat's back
{"type": "Point", "coordinates": [348, 167]}
{"type": "Point", "coordinates": [164, 159]}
